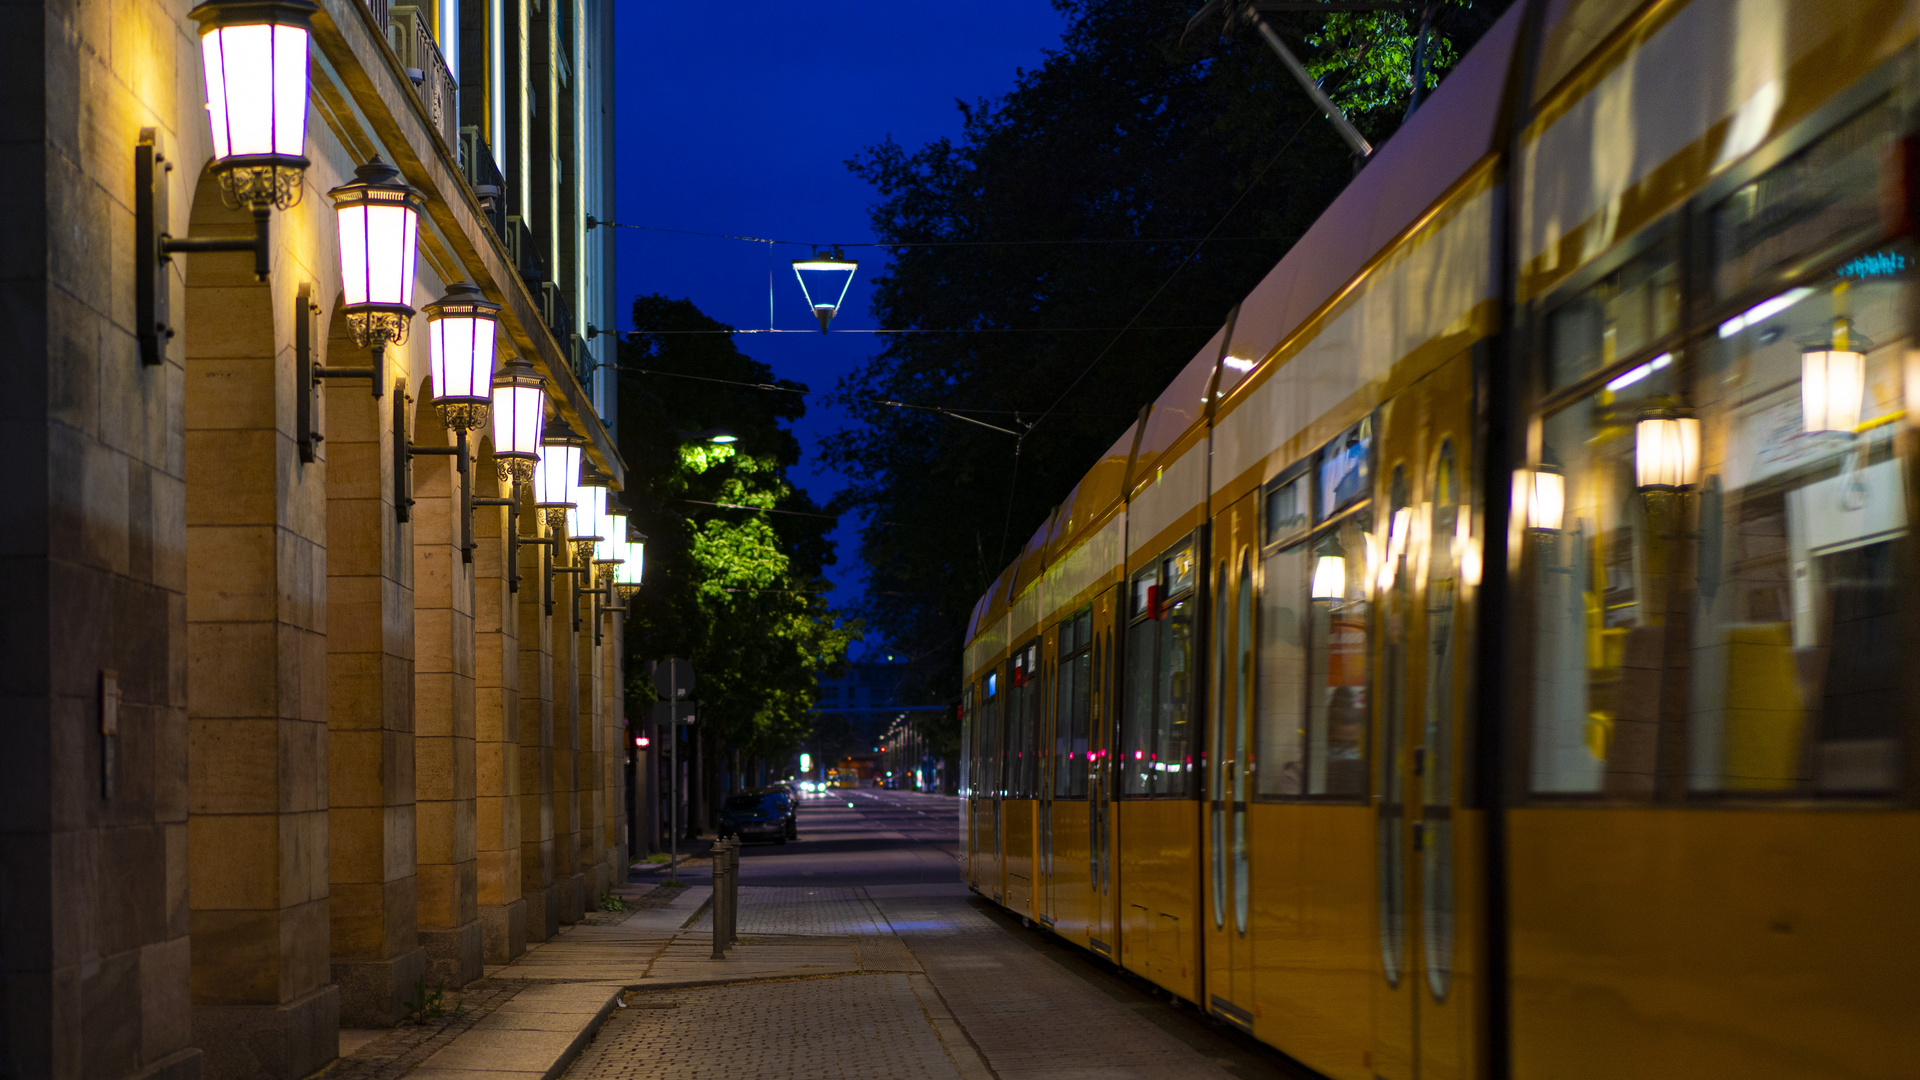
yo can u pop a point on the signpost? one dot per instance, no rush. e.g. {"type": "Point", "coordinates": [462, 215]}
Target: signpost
{"type": "Point", "coordinates": [673, 681]}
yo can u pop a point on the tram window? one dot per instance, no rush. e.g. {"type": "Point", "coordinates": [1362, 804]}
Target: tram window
{"type": "Point", "coordinates": [1601, 596]}
{"type": "Point", "coordinates": [1282, 684]}
{"type": "Point", "coordinates": [1156, 726]}
{"type": "Point", "coordinates": [1623, 313]}
{"type": "Point", "coordinates": [1796, 653]}
{"type": "Point", "coordinates": [1073, 709]}
{"type": "Point", "coordinates": [1825, 198]}
{"type": "Point", "coordinates": [1023, 726]}
{"type": "Point", "coordinates": [1346, 469]}
{"type": "Point", "coordinates": [1287, 509]}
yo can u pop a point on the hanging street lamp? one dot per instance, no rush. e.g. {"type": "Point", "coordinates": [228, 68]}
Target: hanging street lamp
{"type": "Point", "coordinates": [519, 421]}
{"type": "Point", "coordinates": [379, 222]}
{"type": "Point", "coordinates": [1545, 492]}
{"type": "Point", "coordinates": [832, 263]}
{"type": "Point", "coordinates": [253, 57]}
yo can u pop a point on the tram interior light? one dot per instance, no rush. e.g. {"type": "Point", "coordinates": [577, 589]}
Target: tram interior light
{"type": "Point", "coordinates": [1666, 453]}
{"type": "Point", "coordinates": [1330, 578]}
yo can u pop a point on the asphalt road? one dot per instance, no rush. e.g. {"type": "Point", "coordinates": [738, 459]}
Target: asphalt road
{"type": "Point", "coordinates": [859, 836]}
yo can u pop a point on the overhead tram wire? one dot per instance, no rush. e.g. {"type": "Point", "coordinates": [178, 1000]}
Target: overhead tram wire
{"type": "Point", "coordinates": [957, 414]}
{"type": "Point", "coordinates": [592, 222]}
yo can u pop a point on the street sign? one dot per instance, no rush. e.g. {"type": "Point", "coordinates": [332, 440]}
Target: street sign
{"type": "Point", "coordinates": [672, 678]}
{"type": "Point", "coordinates": [678, 712]}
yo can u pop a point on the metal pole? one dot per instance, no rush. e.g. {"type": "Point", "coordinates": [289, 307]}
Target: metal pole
{"type": "Point", "coordinates": [717, 906]}
{"type": "Point", "coordinates": [673, 766]}
{"type": "Point", "coordinates": [1333, 112]}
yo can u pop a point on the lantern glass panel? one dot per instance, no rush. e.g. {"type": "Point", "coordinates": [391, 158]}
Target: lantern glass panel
{"type": "Point", "coordinates": [589, 505]}
{"type": "Point", "coordinates": [461, 351]}
{"type": "Point", "coordinates": [518, 412]}
{"type": "Point", "coordinates": [376, 251]}
{"type": "Point", "coordinates": [256, 81]}
{"type": "Point", "coordinates": [556, 475]}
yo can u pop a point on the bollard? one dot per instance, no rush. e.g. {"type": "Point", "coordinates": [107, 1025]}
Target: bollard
{"type": "Point", "coordinates": [722, 870]}
{"type": "Point", "coordinates": [733, 892]}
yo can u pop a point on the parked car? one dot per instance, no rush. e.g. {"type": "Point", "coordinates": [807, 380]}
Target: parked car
{"type": "Point", "coordinates": [788, 794]}
{"type": "Point", "coordinates": [757, 815]}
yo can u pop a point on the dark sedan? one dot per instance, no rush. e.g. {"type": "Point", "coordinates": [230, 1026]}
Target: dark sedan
{"type": "Point", "coordinates": [757, 815]}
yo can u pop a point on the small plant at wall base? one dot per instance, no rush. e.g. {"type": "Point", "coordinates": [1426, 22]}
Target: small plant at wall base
{"type": "Point", "coordinates": [610, 902]}
{"type": "Point", "coordinates": [430, 1005]}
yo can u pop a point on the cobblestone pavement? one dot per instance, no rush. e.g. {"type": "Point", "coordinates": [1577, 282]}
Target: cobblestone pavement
{"type": "Point", "coordinates": [869, 1027]}
{"type": "Point", "coordinates": [801, 910]}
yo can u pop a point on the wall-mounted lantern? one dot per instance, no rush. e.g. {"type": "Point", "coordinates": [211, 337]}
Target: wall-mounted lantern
{"type": "Point", "coordinates": [378, 216]}
{"type": "Point", "coordinates": [519, 421]}
{"type": "Point", "coordinates": [253, 58]}
{"type": "Point", "coordinates": [554, 480]}
{"type": "Point", "coordinates": [254, 66]}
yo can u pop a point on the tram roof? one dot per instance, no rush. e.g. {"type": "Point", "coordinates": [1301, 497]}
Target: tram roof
{"type": "Point", "coordinates": [1451, 133]}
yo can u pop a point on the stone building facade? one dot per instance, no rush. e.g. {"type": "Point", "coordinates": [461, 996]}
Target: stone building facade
{"type": "Point", "coordinates": [276, 756]}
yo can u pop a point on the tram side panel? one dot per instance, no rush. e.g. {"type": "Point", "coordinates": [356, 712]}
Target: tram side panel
{"type": "Point", "coordinates": [1716, 860]}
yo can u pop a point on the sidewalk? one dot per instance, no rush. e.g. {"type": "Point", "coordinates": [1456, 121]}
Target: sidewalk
{"type": "Point", "coordinates": [533, 1017]}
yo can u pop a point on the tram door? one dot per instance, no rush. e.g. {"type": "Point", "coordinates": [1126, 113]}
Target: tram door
{"type": "Point", "coordinates": [1044, 718]}
{"type": "Point", "coordinates": [1103, 926]}
{"type": "Point", "coordinates": [1229, 951]}
{"type": "Point", "coordinates": [1428, 544]}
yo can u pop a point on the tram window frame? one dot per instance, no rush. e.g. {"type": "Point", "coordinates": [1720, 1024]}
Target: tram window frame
{"type": "Point", "coordinates": [1073, 704]}
{"type": "Point", "coordinates": [1706, 311]}
{"type": "Point", "coordinates": [1301, 543]}
{"type": "Point", "coordinates": [1659, 240]}
{"type": "Point", "coordinates": [1026, 691]}
{"type": "Point", "coordinates": [1159, 599]}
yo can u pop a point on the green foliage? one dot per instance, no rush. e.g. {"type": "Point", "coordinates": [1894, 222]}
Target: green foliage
{"type": "Point", "coordinates": [734, 591]}
{"type": "Point", "coordinates": [430, 1005]}
{"type": "Point", "coordinates": [610, 902]}
{"type": "Point", "coordinates": [1124, 132]}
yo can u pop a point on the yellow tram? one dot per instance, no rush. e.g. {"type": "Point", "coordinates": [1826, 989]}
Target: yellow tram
{"type": "Point", "coordinates": [1483, 658]}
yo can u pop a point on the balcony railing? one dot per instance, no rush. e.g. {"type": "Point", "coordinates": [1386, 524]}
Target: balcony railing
{"type": "Point", "coordinates": [483, 176]}
{"type": "Point", "coordinates": [411, 35]}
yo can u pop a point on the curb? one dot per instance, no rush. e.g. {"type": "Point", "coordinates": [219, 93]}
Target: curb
{"type": "Point", "coordinates": [586, 1035]}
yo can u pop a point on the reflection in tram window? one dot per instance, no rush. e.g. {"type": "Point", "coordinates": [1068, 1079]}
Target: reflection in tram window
{"type": "Point", "coordinates": [1601, 596]}
{"type": "Point", "coordinates": [1156, 728]}
{"type": "Point", "coordinates": [1282, 685]}
{"type": "Point", "coordinates": [1023, 724]}
{"type": "Point", "coordinates": [1337, 703]}
{"type": "Point", "coordinates": [1795, 652]}
{"type": "Point", "coordinates": [1626, 311]}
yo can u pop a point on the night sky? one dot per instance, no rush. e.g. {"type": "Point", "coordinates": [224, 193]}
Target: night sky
{"type": "Point", "coordinates": [738, 118]}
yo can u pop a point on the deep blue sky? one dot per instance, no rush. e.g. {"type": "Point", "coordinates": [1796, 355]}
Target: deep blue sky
{"type": "Point", "coordinates": [739, 117]}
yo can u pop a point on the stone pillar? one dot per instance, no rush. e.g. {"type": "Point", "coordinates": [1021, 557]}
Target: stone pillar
{"type": "Point", "coordinates": [263, 1002]}
{"type": "Point", "coordinates": [566, 742]}
{"type": "Point", "coordinates": [446, 782]}
{"type": "Point", "coordinates": [503, 915]}
{"type": "Point", "coordinates": [377, 960]}
{"type": "Point", "coordinates": [535, 642]}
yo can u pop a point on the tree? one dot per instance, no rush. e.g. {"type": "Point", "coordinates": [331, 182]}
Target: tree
{"type": "Point", "coordinates": [736, 554]}
{"type": "Point", "coordinates": [1124, 136]}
